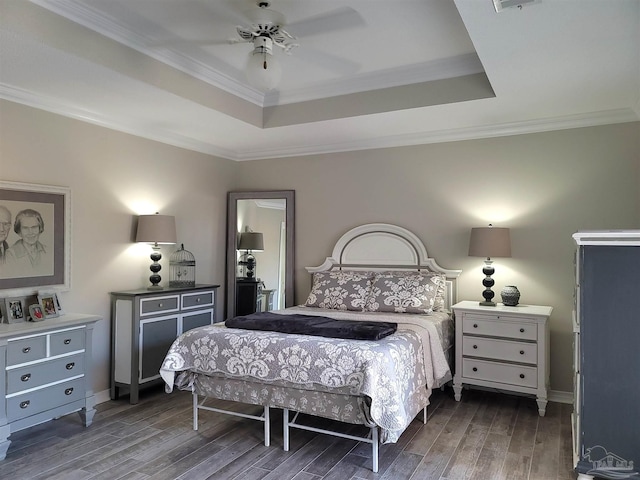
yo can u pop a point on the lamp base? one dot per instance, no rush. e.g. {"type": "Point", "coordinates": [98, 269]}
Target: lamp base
{"type": "Point", "coordinates": [488, 282]}
{"type": "Point", "coordinates": [155, 267]}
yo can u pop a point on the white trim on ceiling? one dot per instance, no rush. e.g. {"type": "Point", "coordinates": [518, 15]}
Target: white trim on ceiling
{"type": "Point", "coordinates": [86, 16]}
{"type": "Point", "coordinates": [621, 115]}
{"type": "Point", "coordinates": [54, 106]}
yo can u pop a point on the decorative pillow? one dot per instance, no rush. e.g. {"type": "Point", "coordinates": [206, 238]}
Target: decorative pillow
{"type": "Point", "coordinates": [340, 290]}
{"type": "Point", "coordinates": [407, 292]}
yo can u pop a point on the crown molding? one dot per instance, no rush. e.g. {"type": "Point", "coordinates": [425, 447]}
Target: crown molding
{"type": "Point", "coordinates": [83, 14]}
{"type": "Point", "coordinates": [622, 115]}
{"type": "Point", "coordinates": [606, 117]}
{"type": "Point", "coordinates": [458, 66]}
{"type": "Point", "coordinates": [40, 102]}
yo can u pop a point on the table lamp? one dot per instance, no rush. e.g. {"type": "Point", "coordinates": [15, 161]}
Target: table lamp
{"type": "Point", "coordinates": [250, 242]}
{"type": "Point", "coordinates": [156, 229]}
{"type": "Point", "coordinates": [489, 242]}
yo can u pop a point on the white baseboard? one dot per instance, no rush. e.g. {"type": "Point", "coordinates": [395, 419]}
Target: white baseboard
{"type": "Point", "coordinates": [560, 396]}
{"type": "Point", "coordinates": [103, 396]}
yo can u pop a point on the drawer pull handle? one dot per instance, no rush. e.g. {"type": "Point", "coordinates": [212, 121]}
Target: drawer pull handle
{"type": "Point", "coordinates": [160, 305]}
{"type": "Point", "coordinates": [25, 404]}
{"type": "Point", "coordinates": [475, 325]}
{"type": "Point", "coordinates": [69, 366]}
{"type": "Point", "coordinates": [475, 347]}
{"type": "Point", "coordinates": [26, 349]}
{"type": "Point", "coordinates": [198, 300]}
{"type": "Point", "coordinates": [521, 352]}
{"type": "Point", "coordinates": [475, 369]}
{"type": "Point", "coordinates": [67, 341]}
{"type": "Point", "coordinates": [68, 391]}
{"type": "Point", "coordinates": [522, 330]}
{"type": "Point", "coordinates": [522, 375]}
{"type": "Point", "coordinates": [26, 377]}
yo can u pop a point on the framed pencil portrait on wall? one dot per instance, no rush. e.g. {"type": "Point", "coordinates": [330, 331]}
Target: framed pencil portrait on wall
{"type": "Point", "coordinates": [35, 238]}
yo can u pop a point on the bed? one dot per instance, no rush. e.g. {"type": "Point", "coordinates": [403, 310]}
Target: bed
{"type": "Point", "coordinates": [377, 274]}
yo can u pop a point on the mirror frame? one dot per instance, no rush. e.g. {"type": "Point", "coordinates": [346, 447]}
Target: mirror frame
{"type": "Point", "coordinates": [232, 242]}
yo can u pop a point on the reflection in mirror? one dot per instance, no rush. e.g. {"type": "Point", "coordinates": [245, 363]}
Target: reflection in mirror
{"type": "Point", "coordinates": [259, 251]}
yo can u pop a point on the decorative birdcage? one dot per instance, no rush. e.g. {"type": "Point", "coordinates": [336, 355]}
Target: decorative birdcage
{"type": "Point", "coordinates": [182, 268]}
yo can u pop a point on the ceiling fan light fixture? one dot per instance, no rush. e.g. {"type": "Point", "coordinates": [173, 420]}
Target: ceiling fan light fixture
{"type": "Point", "coordinates": [263, 68]}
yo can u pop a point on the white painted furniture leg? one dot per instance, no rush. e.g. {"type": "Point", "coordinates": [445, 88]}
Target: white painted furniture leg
{"type": "Point", "coordinates": [457, 392]}
{"type": "Point", "coordinates": [542, 405]}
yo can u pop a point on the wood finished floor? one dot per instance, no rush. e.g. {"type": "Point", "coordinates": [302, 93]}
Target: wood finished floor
{"type": "Point", "coordinates": [486, 436]}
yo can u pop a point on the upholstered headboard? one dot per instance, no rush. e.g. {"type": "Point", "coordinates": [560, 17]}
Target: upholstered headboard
{"type": "Point", "coordinates": [381, 246]}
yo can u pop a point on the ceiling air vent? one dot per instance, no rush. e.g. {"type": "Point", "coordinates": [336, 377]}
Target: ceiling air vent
{"type": "Point", "coordinates": [502, 4]}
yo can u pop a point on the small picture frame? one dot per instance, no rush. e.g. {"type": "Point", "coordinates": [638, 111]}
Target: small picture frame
{"type": "Point", "coordinates": [56, 300]}
{"type": "Point", "coordinates": [58, 304]}
{"type": "Point", "coordinates": [36, 313]}
{"type": "Point", "coordinates": [15, 309]}
{"type": "Point", "coordinates": [48, 304]}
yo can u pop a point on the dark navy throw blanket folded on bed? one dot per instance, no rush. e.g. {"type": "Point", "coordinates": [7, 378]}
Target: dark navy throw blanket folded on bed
{"type": "Point", "coordinates": [313, 325]}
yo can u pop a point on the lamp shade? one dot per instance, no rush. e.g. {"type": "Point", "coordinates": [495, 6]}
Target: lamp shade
{"type": "Point", "coordinates": [156, 229]}
{"type": "Point", "coordinates": [251, 241]}
{"type": "Point", "coordinates": [490, 242]}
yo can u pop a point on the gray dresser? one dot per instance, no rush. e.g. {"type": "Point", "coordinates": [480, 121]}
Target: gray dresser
{"type": "Point", "coordinates": [606, 325]}
{"type": "Point", "coordinates": [144, 324]}
{"type": "Point", "coordinates": [47, 372]}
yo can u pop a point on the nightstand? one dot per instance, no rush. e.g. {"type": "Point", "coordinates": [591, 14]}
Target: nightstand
{"type": "Point", "coordinates": [144, 324]}
{"type": "Point", "coordinates": [506, 348]}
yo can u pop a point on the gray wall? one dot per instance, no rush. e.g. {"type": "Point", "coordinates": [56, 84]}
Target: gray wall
{"type": "Point", "coordinates": [113, 178]}
{"type": "Point", "coordinates": [543, 186]}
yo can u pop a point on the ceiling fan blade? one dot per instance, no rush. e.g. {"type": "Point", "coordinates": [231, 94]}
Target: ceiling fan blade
{"type": "Point", "coordinates": [327, 61]}
{"type": "Point", "coordinates": [338, 19]}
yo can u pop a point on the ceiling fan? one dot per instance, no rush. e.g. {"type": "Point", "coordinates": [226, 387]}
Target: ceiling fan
{"type": "Point", "coordinates": [266, 31]}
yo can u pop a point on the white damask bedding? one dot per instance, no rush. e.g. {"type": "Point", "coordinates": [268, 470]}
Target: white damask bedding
{"type": "Point", "coordinates": [385, 382]}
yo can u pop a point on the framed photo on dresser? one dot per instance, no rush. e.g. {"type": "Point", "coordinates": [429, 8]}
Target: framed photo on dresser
{"type": "Point", "coordinates": [48, 304]}
{"type": "Point", "coordinates": [15, 308]}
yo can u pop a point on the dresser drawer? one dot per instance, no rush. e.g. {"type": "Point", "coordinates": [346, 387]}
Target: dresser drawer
{"type": "Point", "coordinates": [500, 372]}
{"type": "Point", "coordinates": [38, 374]}
{"type": "Point", "coordinates": [500, 349]}
{"type": "Point", "coordinates": [26, 350]}
{"type": "Point", "coordinates": [67, 341]}
{"type": "Point", "coordinates": [31, 403]}
{"type": "Point", "coordinates": [499, 326]}
{"type": "Point", "coordinates": [200, 299]}
{"type": "Point", "coordinates": [159, 305]}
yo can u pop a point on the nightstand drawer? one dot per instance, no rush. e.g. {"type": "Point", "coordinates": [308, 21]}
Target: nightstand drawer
{"type": "Point", "coordinates": [159, 305]}
{"type": "Point", "coordinates": [499, 326]}
{"type": "Point", "coordinates": [500, 372]}
{"type": "Point", "coordinates": [36, 375]}
{"type": "Point", "coordinates": [194, 300]}
{"type": "Point", "coordinates": [26, 350]}
{"type": "Point", "coordinates": [500, 349]}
